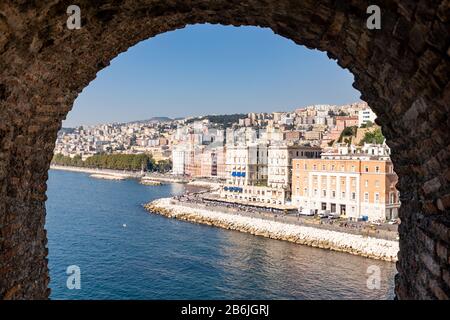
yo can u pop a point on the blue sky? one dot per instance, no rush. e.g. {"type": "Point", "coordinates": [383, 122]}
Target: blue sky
{"type": "Point", "coordinates": [211, 69]}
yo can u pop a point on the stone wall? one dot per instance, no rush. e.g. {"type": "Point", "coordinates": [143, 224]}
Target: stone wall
{"type": "Point", "coordinates": [356, 244]}
{"type": "Point", "coordinates": [402, 70]}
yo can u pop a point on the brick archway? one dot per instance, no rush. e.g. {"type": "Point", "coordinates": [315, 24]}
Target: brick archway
{"type": "Point", "coordinates": [402, 71]}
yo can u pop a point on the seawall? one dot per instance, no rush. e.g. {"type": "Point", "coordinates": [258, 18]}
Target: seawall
{"type": "Point", "coordinates": [364, 246]}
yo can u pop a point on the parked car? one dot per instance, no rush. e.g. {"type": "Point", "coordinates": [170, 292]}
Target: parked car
{"type": "Point", "coordinates": [324, 213]}
{"type": "Point", "coordinates": [333, 215]}
{"type": "Point", "coordinates": [306, 212]}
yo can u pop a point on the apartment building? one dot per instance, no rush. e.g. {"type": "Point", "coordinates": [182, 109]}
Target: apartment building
{"type": "Point", "coordinates": [178, 160]}
{"type": "Point", "coordinates": [265, 172]}
{"type": "Point", "coordinates": [246, 165]}
{"type": "Point", "coordinates": [208, 164]}
{"type": "Point", "coordinates": [221, 162]}
{"type": "Point", "coordinates": [366, 115]}
{"type": "Point", "coordinates": [357, 186]}
{"type": "Point", "coordinates": [279, 177]}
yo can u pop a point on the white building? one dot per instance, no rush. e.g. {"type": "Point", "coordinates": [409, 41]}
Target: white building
{"type": "Point", "coordinates": [178, 160]}
{"type": "Point", "coordinates": [246, 165]}
{"type": "Point", "coordinates": [262, 174]}
{"type": "Point", "coordinates": [279, 176]}
{"type": "Point", "coordinates": [366, 115]}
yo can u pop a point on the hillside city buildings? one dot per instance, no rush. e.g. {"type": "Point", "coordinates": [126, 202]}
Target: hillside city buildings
{"type": "Point", "coordinates": [282, 159]}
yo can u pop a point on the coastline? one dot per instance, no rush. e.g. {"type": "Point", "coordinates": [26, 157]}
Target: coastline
{"type": "Point", "coordinates": [365, 246]}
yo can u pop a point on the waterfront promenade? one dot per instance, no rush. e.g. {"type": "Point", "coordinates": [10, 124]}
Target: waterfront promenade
{"type": "Point", "coordinates": [205, 201]}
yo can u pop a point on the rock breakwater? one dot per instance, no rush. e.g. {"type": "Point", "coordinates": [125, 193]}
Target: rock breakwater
{"type": "Point", "coordinates": [369, 247]}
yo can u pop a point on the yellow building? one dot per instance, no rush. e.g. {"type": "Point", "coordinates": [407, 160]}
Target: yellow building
{"type": "Point", "coordinates": [354, 186]}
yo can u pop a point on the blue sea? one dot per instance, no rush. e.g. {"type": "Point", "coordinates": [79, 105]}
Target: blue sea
{"type": "Point", "coordinates": [123, 252]}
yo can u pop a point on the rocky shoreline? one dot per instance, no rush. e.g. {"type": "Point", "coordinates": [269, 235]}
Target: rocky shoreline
{"type": "Point", "coordinates": [368, 247]}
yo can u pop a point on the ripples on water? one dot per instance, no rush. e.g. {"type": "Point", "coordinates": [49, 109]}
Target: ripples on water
{"type": "Point", "coordinates": [158, 258]}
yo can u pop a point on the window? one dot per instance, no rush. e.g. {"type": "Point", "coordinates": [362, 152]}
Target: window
{"type": "Point", "coordinates": [305, 191]}
{"type": "Point", "coordinates": [377, 197]}
{"type": "Point", "coordinates": [324, 193]}
{"type": "Point", "coordinates": [342, 195]}
{"type": "Point", "coordinates": [315, 192]}
{"type": "Point", "coordinates": [323, 167]}
{"type": "Point", "coordinates": [314, 167]}
{"type": "Point", "coordinates": [377, 183]}
{"type": "Point", "coordinates": [342, 168]}
{"type": "Point", "coordinates": [332, 167]}
{"type": "Point", "coordinates": [333, 194]}
{"type": "Point", "coordinates": [353, 168]}
{"type": "Point", "coordinates": [366, 197]}
{"type": "Point", "coordinates": [366, 169]}
{"type": "Point", "coordinates": [353, 195]}
{"type": "Point", "coordinates": [377, 169]}
{"type": "Point", "coordinates": [306, 166]}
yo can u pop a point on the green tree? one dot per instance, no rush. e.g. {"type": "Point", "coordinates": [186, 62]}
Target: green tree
{"type": "Point", "coordinates": [368, 124]}
{"type": "Point", "coordinates": [347, 132]}
{"type": "Point", "coordinates": [163, 166]}
{"type": "Point", "coordinates": [134, 162]}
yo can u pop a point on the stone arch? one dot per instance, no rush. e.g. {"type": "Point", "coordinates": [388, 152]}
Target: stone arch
{"type": "Point", "coordinates": [402, 71]}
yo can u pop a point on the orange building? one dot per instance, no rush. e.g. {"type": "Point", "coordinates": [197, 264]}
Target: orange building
{"type": "Point", "coordinates": [343, 122]}
{"type": "Point", "coordinates": [353, 186]}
